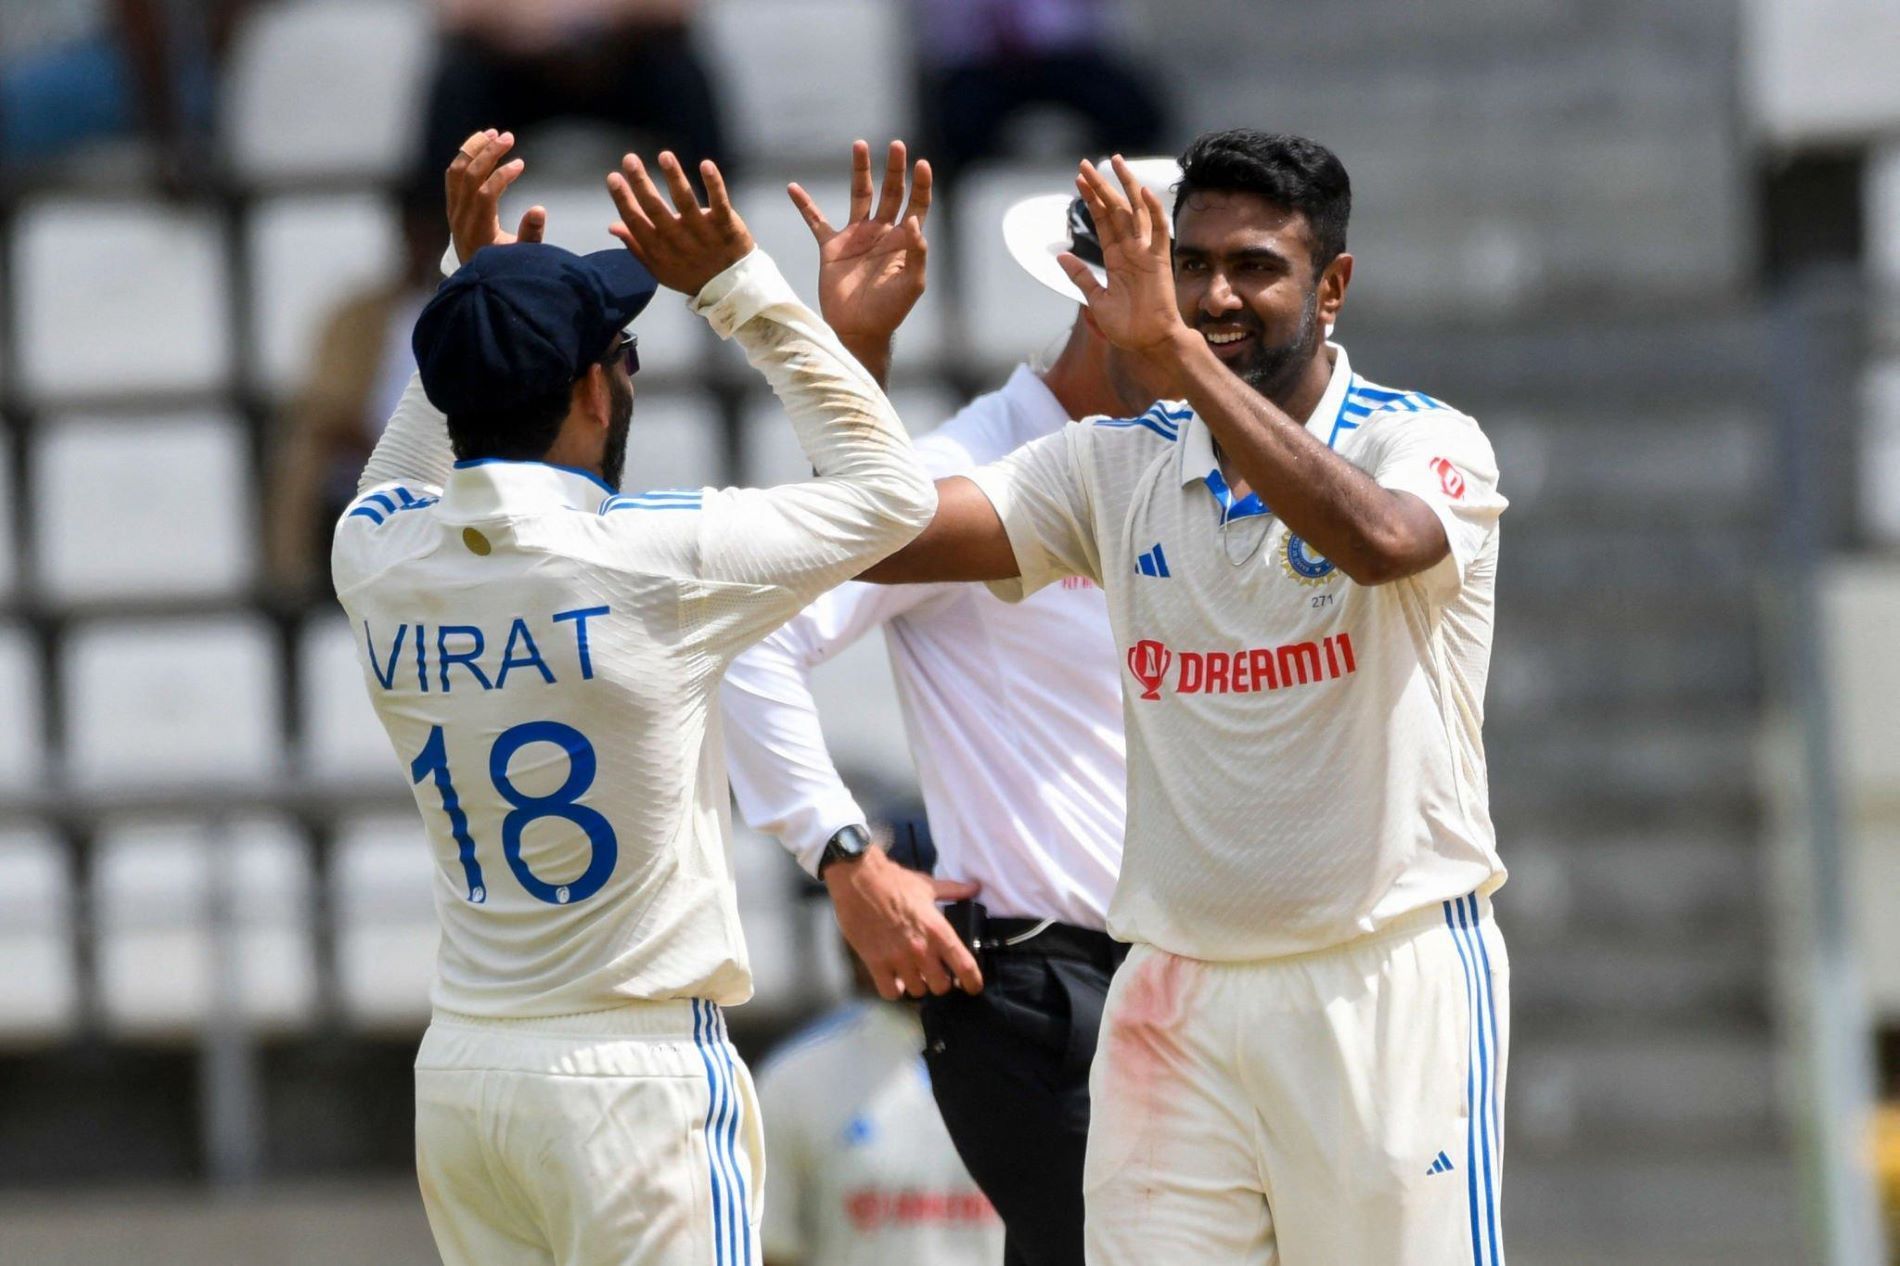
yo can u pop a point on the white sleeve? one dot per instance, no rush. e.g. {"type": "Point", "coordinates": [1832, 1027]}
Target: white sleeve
{"type": "Point", "coordinates": [1042, 493]}
{"type": "Point", "coordinates": [1444, 460]}
{"type": "Point", "coordinates": [782, 774]}
{"type": "Point", "coordinates": [776, 549]}
{"type": "Point", "coordinates": [414, 448]}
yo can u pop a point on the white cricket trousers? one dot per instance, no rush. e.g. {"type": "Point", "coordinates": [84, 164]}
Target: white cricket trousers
{"type": "Point", "coordinates": [628, 1137]}
{"type": "Point", "coordinates": [1338, 1108]}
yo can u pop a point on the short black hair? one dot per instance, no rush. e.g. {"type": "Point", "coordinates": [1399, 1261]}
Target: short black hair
{"type": "Point", "coordinates": [1289, 171]}
{"type": "Point", "coordinates": [522, 433]}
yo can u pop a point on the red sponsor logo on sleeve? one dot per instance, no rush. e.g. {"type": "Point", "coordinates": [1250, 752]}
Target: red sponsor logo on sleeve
{"type": "Point", "coordinates": [1448, 478]}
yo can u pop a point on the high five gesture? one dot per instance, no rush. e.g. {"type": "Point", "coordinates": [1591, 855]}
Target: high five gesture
{"type": "Point", "coordinates": [686, 245]}
{"type": "Point", "coordinates": [1136, 310]}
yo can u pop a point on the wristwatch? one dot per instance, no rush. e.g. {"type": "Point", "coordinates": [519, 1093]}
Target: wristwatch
{"type": "Point", "coordinates": [848, 845]}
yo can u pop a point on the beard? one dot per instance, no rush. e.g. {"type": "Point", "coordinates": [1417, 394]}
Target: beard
{"type": "Point", "coordinates": [613, 461]}
{"type": "Point", "coordinates": [1271, 369]}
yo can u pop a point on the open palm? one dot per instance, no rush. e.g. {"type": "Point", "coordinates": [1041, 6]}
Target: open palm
{"type": "Point", "coordinates": [871, 272]}
{"type": "Point", "coordinates": [1136, 310]}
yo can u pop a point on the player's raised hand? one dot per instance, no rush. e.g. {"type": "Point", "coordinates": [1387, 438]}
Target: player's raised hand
{"type": "Point", "coordinates": [871, 271]}
{"type": "Point", "coordinates": [685, 245]}
{"type": "Point", "coordinates": [474, 183]}
{"type": "Point", "coordinates": [1136, 310]}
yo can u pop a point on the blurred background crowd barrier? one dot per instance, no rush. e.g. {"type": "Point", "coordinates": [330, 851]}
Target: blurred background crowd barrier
{"type": "Point", "coordinates": [1653, 247]}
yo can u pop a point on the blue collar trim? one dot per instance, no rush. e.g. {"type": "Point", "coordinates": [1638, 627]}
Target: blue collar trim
{"type": "Point", "coordinates": [588, 475]}
{"type": "Point", "coordinates": [1251, 504]}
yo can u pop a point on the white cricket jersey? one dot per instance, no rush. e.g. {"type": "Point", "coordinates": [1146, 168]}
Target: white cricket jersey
{"type": "Point", "coordinates": [859, 1169]}
{"type": "Point", "coordinates": [1305, 761]}
{"type": "Point", "coordinates": [545, 655]}
{"type": "Point", "coordinates": [1013, 711]}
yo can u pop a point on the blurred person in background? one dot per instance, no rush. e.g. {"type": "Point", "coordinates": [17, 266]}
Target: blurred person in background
{"type": "Point", "coordinates": [987, 62]}
{"type": "Point", "coordinates": [859, 1170]}
{"type": "Point", "coordinates": [74, 72]}
{"type": "Point", "coordinates": [350, 388]}
{"type": "Point", "coordinates": [1014, 719]}
{"type": "Point", "coordinates": [628, 63]}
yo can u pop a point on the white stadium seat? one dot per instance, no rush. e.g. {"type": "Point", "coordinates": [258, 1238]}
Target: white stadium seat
{"type": "Point", "coordinates": [307, 255]}
{"type": "Point", "coordinates": [166, 702]}
{"type": "Point", "coordinates": [778, 228]}
{"type": "Point", "coordinates": [342, 739]}
{"type": "Point", "coordinates": [1007, 315]}
{"type": "Point", "coordinates": [326, 89]}
{"type": "Point", "coordinates": [804, 77]}
{"type": "Point", "coordinates": [383, 885]}
{"type": "Point", "coordinates": [39, 991]}
{"type": "Point", "coordinates": [769, 451]}
{"type": "Point", "coordinates": [143, 507]}
{"type": "Point", "coordinates": [678, 441]}
{"type": "Point", "coordinates": [118, 297]}
{"type": "Point", "coordinates": [153, 889]}
{"type": "Point", "coordinates": [22, 745]}
{"type": "Point", "coordinates": [673, 342]}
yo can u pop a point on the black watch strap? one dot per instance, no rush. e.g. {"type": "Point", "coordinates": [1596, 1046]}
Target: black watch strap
{"type": "Point", "coordinates": [849, 844]}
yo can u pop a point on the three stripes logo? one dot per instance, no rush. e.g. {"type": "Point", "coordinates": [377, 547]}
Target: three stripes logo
{"type": "Point", "coordinates": [1153, 563]}
{"type": "Point", "coordinates": [1441, 1165]}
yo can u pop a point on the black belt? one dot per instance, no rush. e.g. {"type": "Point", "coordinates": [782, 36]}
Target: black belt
{"type": "Point", "coordinates": [1053, 940]}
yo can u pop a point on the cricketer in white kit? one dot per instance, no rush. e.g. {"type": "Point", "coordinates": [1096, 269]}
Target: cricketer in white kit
{"type": "Point", "coordinates": [545, 655]}
{"type": "Point", "coordinates": [1303, 1057]}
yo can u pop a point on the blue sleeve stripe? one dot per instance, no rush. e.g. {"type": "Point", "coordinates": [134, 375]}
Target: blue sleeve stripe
{"type": "Point", "coordinates": [389, 507]}
{"type": "Point", "coordinates": [366, 512]}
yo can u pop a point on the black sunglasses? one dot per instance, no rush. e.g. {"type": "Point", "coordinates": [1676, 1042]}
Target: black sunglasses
{"type": "Point", "coordinates": [628, 348]}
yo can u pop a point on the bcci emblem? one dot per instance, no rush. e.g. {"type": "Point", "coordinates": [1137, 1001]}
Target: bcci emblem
{"type": "Point", "coordinates": [1148, 660]}
{"type": "Point", "coordinates": [1304, 565]}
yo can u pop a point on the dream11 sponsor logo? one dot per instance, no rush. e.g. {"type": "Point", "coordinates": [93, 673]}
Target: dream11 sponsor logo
{"type": "Point", "coordinates": [1243, 671]}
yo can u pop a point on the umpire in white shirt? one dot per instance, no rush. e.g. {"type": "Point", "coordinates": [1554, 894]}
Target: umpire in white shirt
{"type": "Point", "coordinates": [1014, 717]}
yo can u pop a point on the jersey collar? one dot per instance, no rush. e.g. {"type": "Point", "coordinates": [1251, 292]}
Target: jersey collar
{"type": "Point", "coordinates": [1199, 466]}
{"type": "Point", "coordinates": [490, 487]}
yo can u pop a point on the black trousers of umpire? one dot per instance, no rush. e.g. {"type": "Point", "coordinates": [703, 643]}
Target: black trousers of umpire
{"type": "Point", "coordinates": [1010, 1070]}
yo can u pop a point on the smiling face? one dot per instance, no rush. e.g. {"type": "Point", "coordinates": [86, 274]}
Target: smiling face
{"type": "Point", "coordinates": [1245, 280]}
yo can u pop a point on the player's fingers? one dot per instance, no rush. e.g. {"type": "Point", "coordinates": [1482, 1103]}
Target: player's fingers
{"type": "Point", "coordinates": [534, 224]}
{"type": "Point", "coordinates": [808, 208]}
{"type": "Point", "coordinates": [1115, 206]}
{"type": "Point", "coordinates": [891, 197]}
{"type": "Point", "coordinates": [936, 978]}
{"type": "Point", "coordinates": [633, 215]}
{"type": "Point", "coordinates": [684, 199]}
{"type": "Point", "coordinates": [1106, 229]}
{"type": "Point", "coordinates": [921, 181]}
{"type": "Point", "coordinates": [645, 195]}
{"type": "Point", "coordinates": [489, 157]}
{"type": "Point", "coordinates": [1141, 217]}
{"type": "Point", "coordinates": [503, 176]}
{"type": "Point", "coordinates": [1078, 272]}
{"type": "Point", "coordinates": [718, 201]}
{"type": "Point", "coordinates": [1159, 241]}
{"type": "Point", "coordinates": [914, 240]}
{"type": "Point", "coordinates": [860, 180]}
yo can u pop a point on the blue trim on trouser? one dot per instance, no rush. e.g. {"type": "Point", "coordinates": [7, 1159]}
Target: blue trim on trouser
{"type": "Point", "coordinates": [732, 1223]}
{"type": "Point", "coordinates": [1462, 917]}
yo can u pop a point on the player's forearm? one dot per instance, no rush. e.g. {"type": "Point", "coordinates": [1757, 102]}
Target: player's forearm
{"type": "Point", "coordinates": [964, 541]}
{"type": "Point", "coordinates": [1334, 506]}
{"type": "Point", "coordinates": [874, 354]}
{"type": "Point", "coordinates": [841, 416]}
{"type": "Point", "coordinates": [414, 446]}
{"type": "Point", "coordinates": [783, 778]}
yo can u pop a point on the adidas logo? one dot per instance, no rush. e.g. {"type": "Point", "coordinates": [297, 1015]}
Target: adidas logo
{"type": "Point", "coordinates": [1153, 563]}
{"type": "Point", "coordinates": [1442, 1165]}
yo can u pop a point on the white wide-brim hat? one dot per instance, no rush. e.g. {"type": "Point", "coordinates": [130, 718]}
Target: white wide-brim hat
{"type": "Point", "coordinates": [1038, 229]}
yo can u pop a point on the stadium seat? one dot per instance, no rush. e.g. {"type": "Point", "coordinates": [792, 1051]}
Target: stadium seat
{"type": "Point", "coordinates": [673, 342]}
{"type": "Point", "coordinates": [117, 298]}
{"type": "Point", "coordinates": [167, 511]}
{"type": "Point", "coordinates": [307, 255]}
{"type": "Point", "coordinates": [678, 441]}
{"type": "Point", "coordinates": [769, 453]}
{"type": "Point", "coordinates": [1007, 315]}
{"type": "Point", "coordinates": [291, 109]}
{"type": "Point", "coordinates": [778, 227]}
{"type": "Point", "coordinates": [22, 744]}
{"type": "Point", "coordinates": [39, 991]}
{"type": "Point", "coordinates": [383, 883]}
{"type": "Point", "coordinates": [172, 702]}
{"type": "Point", "coordinates": [153, 889]}
{"type": "Point", "coordinates": [802, 77]}
{"type": "Point", "coordinates": [342, 740]}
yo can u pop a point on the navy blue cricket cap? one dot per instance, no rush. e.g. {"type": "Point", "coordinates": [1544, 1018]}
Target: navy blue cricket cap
{"type": "Point", "coordinates": [523, 322]}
